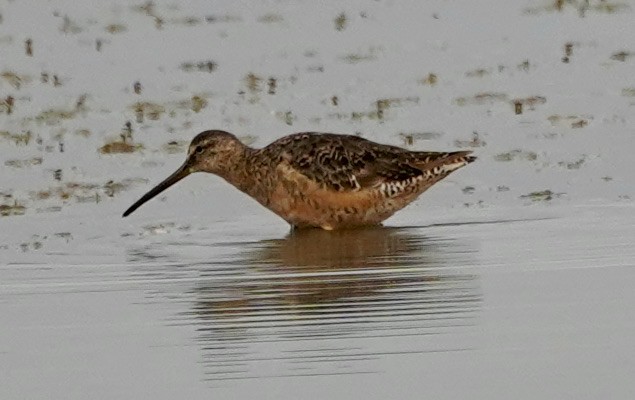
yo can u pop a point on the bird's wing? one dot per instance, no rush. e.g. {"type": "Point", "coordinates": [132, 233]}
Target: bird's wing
{"type": "Point", "coordinates": [351, 163]}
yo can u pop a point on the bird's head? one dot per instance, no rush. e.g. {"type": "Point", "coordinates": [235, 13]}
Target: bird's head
{"type": "Point", "coordinates": [210, 151]}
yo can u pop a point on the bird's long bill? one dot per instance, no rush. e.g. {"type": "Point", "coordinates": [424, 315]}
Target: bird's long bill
{"type": "Point", "coordinates": [180, 173]}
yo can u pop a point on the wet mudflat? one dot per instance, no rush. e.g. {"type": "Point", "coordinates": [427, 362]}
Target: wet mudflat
{"type": "Point", "coordinates": [526, 307]}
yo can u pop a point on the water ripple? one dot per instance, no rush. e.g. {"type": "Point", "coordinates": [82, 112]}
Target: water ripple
{"type": "Point", "coordinates": [316, 302]}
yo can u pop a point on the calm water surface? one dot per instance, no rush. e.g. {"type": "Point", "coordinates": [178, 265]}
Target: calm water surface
{"type": "Point", "coordinates": [528, 308]}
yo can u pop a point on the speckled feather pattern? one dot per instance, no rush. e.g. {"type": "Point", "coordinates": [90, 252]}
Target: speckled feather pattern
{"type": "Point", "coordinates": [340, 181]}
{"type": "Point", "coordinates": [346, 162]}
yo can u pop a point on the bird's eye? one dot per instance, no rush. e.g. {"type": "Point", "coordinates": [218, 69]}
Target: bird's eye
{"type": "Point", "coordinates": [198, 149]}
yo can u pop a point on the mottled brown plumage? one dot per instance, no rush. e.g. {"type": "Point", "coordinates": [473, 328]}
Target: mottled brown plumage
{"type": "Point", "coordinates": [318, 179]}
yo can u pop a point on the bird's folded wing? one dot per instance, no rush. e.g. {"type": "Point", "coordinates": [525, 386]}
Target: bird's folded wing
{"type": "Point", "coordinates": [353, 165]}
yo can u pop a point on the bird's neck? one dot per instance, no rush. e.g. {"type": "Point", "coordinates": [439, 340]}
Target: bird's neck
{"type": "Point", "coordinates": [239, 170]}
{"type": "Point", "coordinates": [251, 174]}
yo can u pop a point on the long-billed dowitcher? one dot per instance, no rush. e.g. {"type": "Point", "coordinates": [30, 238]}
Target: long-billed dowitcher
{"type": "Point", "coordinates": [320, 180]}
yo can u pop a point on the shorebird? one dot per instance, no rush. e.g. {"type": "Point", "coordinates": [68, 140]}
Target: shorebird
{"type": "Point", "coordinates": [320, 180]}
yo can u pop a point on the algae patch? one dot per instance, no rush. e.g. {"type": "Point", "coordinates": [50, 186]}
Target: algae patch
{"type": "Point", "coordinates": [516, 155]}
{"type": "Point", "coordinates": [120, 147]}
{"type": "Point", "coordinates": [8, 210]}
{"type": "Point", "coordinates": [542, 195]}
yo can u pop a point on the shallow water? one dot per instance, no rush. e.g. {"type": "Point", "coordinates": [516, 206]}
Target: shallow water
{"type": "Point", "coordinates": [510, 279]}
{"type": "Point", "coordinates": [521, 308]}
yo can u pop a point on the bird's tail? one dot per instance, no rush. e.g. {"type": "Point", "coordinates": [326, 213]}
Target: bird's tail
{"type": "Point", "coordinates": [439, 165]}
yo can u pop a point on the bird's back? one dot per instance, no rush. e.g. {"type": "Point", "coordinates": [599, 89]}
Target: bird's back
{"type": "Point", "coordinates": [332, 181]}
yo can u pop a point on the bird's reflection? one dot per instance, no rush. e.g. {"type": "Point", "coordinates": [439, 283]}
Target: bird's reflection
{"type": "Point", "coordinates": [313, 266]}
{"type": "Point", "coordinates": [316, 249]}
{"type": "Point", "coordinates": [313, 287]}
